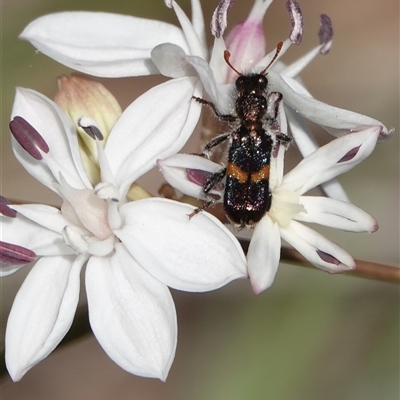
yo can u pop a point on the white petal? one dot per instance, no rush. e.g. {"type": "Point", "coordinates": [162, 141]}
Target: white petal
{"type": "Point", "coordinates": [24, 232]}
{"type": "Point", "coordinates": [335, 120]}
{"type": "Point", "coordinates": [276, 168]}
{"type": "Point", "coordinates": [193, 254]}
{"type": "Point", "coordinates": [101, 44]}
{"type": "Point", "coordinates": [218, 65]}
{"type": "Point", "coordinates": [42, 312]}
{"type": "Point", "coordinates": [324, 164]}
{"type": "Point", "coordinates": [45, 216]}
{"type": "Point", "coordinates": [60, 135]}
{"type": "Point", "coordinates": [310, 244]}
{"type": "Point", "coordinates": [174, 170]}
{"type": "Point", "coordinates": [141, 135]}
{"type": "Point", "coordinates": [195, 43]}
{"type": "Point", "coordinates": [132, 314]}
{"type": "Point", "coordinates": [198, 22]}
{"type": "Point", "coordinates": [336, 214]}
{"type": "Point", "coordinates": [6, 270]}
{"type": "Point", "coordinates": [264, 254]}
{"type": "Point", "coordinates": [206, 76]}
{"type": "Point", "coordinates": [171, 61]}
{"type": "Point", "coordinates": [301, 134]}
{"type": "Point", "coordinates": [220, 95]}
{"type": "Point", "coordinates": [294, 69]}
{"type": "Point", "coordinates": [307, 145]}
{"type": "Point", "coordinates": [334, 190]}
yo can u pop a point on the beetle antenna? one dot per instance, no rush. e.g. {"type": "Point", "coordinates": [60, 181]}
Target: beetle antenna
{"type": "Point", "coordinates": [227, 55]}
{"type": "Point", "coordinates": [278, 50]}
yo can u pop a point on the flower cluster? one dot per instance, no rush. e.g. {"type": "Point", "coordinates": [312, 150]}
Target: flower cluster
{"type": "Point", "coordinates": [89, 152]}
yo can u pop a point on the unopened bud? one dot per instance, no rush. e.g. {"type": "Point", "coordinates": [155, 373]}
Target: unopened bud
{"type": "Point", "coordinates": [81, 97]}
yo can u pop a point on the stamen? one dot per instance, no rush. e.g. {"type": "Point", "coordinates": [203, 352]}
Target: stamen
{"type": "Point", "coordinates": [296, 17]}
{"type": "Point", "coordinates": [12, 254]}
{"type": "Point", "coordinates": [219, 20]}
{"type": "Point", "coordinates": [5, 210]}
{"type": "Point", "coordinates": [89, 125]}
{"type": "Point", "coordinates": [200, 177]}
{"type": "Point", "coordinates": [28, 137]}
{"type": "Point", "coordinates": [106, 191]}
{"type": "Point", "coordinates": [327, 257]}
{"type": "Point", "coordinates": [350, 155]}
{"type": "Point", "coordinates": [325, 34]}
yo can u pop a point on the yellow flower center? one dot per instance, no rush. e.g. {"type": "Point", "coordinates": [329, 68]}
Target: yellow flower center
{"type": "Point", "coordinates": [285, 205]}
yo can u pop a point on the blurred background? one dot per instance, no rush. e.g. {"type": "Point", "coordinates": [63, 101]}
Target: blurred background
{"type": "Point", "coordinates": [311, 336]}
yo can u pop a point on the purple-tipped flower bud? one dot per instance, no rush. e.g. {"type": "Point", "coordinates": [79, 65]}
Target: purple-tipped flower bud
{"type": "Point", "coordinates": [246, 42]}
{"type": "Point", "coordinates": [79, 96]}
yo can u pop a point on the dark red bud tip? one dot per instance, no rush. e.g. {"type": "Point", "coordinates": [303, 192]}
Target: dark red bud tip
{"type": "Point", "coordinates": [5, 209]}
{"type": "Point", "coordinates": [327, 258]}
{"type": "Point", "coordinates": [350, 155]}
{"type": "Point", "coordinates": [28, 137]}
{"type": "Point", "coordinates": [12, 254]}
{"type": "Point", "coordinates": [325, 34]}
{"type": "Point", "coordinates": [296, 18]}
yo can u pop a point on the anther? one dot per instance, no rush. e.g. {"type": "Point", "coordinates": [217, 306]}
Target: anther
{"type": "Point", "coordinates": [327, 257]}
{"type": "Point", "coordinates": [325, 34]}
{"type": "Point", "coordinates": [350, 154]}
{"type": "Point", "coordinates": [90, 127]}
{"type": "Point", "coordinates": [200, 177]}
{"type": "Point", "coordinates": [5, 209]}
{"type": "Point", "coordinates": [12, 254]}
{"type": "Point", "coordinates": [296, 18]}
{"type": "Point", "coordinates": [219, 20]}
{"type": "Point", "coordinates": [28, 137]}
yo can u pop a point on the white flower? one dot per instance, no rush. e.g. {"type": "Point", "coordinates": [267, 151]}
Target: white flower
{"type": "Point", "coordinates": [124, 44]}
{"type": "Point", "coordinates": [132, 250]}
{"type": "Point", "coordinates": [290, 206]}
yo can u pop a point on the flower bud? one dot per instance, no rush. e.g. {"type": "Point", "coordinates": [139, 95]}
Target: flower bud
{"type": "Point", "coordinates": [81, 97]}
{"type": "Point", "coordinates": [246, 41]}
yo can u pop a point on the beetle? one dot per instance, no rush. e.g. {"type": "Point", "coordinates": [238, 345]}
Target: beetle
{"type": "Point", "coordinates": [254, 134]}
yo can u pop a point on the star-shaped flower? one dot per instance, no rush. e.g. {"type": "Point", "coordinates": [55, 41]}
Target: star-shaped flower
{"type": "Point", "coordinates": [290, 206]}
{"type": "Point", "coordinates": [132, 250]}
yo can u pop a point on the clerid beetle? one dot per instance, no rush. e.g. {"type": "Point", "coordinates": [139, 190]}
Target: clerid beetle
{"type": "Point", "coordinates": [253, 136]}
